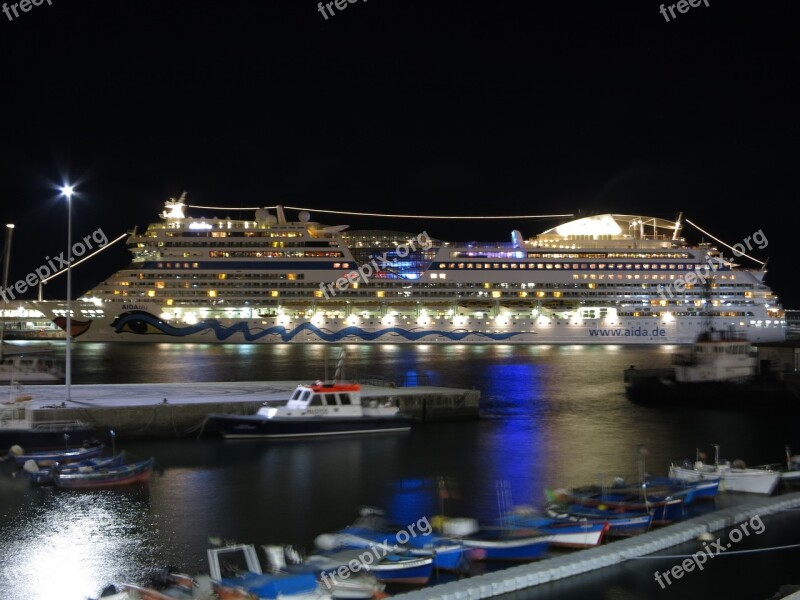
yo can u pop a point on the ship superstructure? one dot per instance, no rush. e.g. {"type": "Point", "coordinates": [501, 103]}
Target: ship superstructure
{"type": "Point", "coordinates": [604, 279]}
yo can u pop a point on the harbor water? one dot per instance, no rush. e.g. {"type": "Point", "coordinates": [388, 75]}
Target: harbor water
{"type": "Point", "coordinates": [552, 416]}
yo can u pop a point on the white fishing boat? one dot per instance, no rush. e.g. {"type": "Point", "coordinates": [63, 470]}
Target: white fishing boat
{"type": "Point", "coordinates": [733, 477]}
{"type": "Point", "coordinates": [317, 409]}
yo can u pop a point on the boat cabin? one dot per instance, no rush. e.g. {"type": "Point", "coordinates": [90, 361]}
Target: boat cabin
{"type": "Point", "coordinates": [329, 400]}
{"type": "Point", "coordinates": [717, 356]}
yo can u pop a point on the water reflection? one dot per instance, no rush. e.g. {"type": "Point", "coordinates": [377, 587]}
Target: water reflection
{"type": "Point", "coordinates": [70, 545]}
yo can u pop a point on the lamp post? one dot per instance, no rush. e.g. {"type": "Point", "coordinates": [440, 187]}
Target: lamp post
{"type": "Point", "coordinates": [67, 191]}
{"type": "Point", "coordinates": [6, 262]}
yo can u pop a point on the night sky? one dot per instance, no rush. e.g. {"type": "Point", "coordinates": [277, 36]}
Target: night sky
{"type": "Point", "coordinates": [400, 106]}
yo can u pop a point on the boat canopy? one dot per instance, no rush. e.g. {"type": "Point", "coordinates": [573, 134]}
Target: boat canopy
{"type": "Point", "coordinates": [612, 226]}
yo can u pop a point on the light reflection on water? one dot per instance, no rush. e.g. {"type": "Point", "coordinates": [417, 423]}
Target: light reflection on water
{"type": "Point", "coordinates": [68, 545]}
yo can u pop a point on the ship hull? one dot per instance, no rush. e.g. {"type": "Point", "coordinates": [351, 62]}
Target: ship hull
{"type": "Point", "coordinates": [143, 325]}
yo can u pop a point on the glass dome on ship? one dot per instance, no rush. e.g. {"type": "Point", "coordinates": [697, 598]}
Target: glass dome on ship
{"type": "Point", "coordinates": [604, 279]}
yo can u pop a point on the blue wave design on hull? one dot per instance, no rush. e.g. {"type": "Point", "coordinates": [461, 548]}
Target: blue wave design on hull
{"type": "Point", "coordinates": [144, 323]}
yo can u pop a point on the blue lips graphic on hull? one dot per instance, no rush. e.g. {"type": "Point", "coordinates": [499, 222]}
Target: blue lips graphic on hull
{"type": "Point", "coordinates": [140, 322]}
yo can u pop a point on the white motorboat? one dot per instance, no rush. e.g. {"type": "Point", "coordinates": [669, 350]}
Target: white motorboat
{"type": "Point", "coordinates": [733, 477]}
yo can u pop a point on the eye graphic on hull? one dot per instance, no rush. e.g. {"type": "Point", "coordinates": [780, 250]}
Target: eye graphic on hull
{"type": "Point", "coordinates": [140, 323]}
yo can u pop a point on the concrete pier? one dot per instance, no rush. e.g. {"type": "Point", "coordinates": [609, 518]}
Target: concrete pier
{"type": "Point", "coordinates": [529, 575]}
{"type": "Point", "coordinates": [180, 409]}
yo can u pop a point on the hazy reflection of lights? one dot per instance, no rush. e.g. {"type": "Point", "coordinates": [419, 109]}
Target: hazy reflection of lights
{"type": "Point", "coordinates": [73, 548]}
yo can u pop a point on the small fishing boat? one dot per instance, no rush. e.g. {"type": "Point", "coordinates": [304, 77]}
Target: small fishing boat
{"type": "Point", "coordinates": [108, 476]}
{"type": "Point", "coordinates": [620, 523]}
{"type": "Point", "coordinates": [357, 586]}
{"type": "Point", "coordinates": [372, 530]}
{"type": "Point", "coordinates": [733, 477]}
{"type": "Point", "coordinates": [387, 566]}
{"type": "Point", "coordinates": [562, 532]}
{"type": "Point", "coordinates": [664, 509]}
{"type": "Point", "coordinates": [45, 475]}
{"type": "Point", "coordinates": [236, 574]}
{"type": "Point", "coordinates": [500, 544]}
{"type": "Point", "coordinates": [46, 458]}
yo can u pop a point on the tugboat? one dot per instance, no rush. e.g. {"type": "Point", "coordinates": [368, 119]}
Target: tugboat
{"type": "Point", "coordinates": [317, 409]}
{"type": "Point", "coordinates": [721, 369]}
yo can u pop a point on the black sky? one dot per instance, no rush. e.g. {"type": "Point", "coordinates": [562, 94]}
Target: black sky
{"type": "Point", "coordinates": [400, 106]}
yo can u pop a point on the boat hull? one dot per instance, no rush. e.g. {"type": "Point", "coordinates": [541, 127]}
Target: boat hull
{"type": "Point", "coordinates": [48, 458]}
{"type": "Point", "coordinates": [106, 477]}
{"type": "Point", "coordinates": [511, 549]}
{"type": "Point", "coordinates": [575, 535]}
{"type": "Point", "coordinates": [255, 426]}
{"type": "Point", "coordinates": [43, 437]}
{"type": "Point", "coordinates": [654, 389]}
{"type": "Point", "coordinates": [751, 481]}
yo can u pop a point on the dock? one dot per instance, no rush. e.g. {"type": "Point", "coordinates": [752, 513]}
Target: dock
{"type": "Point", "coordinates": [583, 561]}
{"type": "Point", "coordinates": [159, 410]}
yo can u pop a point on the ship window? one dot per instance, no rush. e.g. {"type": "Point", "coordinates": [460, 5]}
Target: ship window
{"type": "Point", "coordinates": [296, 395]}
{"type": "Point", "coordinates": [330, 399]}
{"type": "Point", "coordinates": [316, 400]}
{"type": "Point", "coordinates": [344, 399]}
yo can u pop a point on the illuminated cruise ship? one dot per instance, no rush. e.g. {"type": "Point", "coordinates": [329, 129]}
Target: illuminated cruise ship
{"type": "Point", "coordinates": [605, 279]}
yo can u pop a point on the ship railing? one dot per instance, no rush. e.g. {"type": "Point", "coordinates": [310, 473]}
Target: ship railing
{"type": "Point", "coordinates": [376, 381]}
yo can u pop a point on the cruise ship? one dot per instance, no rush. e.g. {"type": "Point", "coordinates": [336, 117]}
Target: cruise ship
{"type": "Point", "coordinates": [602, 279]}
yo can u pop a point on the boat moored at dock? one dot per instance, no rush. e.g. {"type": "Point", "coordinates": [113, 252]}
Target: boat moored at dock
{"type": "Point", "coordinates": [319, 409]}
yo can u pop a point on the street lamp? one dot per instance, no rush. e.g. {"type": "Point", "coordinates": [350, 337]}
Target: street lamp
{"type": "Point", "coordinates": [6, 262]}
{"type": "Point", "coordinates": [67, 191]}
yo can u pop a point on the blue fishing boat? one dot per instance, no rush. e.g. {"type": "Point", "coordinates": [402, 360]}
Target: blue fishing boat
{"type": "Point", "coordinates": [387, 566]}
{"type": "Point", "coordinates": [692, 490]}
{"type": "Point", "coordinates": [501, 544]}
{"type": "Point", "coordinates": [46, 458]}
{"type": "Point", "coordinates": [371, 529]}
{"type": "Point", "coordinates": [236, 574]}
{"type": "Point", "coordinates": [102, 477]}
{"type": "Point", "coordinates": [664, 508]}
{"type": "Point", "coordinates": [559, 531]}
{"type": "Point", "coordinates": [44, 475]}
{"type": "Point", "coordinates": [620, 523]}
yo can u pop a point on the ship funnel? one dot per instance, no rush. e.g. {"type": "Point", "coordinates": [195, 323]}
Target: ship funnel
{"type": "Point", "coordinates": [516, 238]}
{"type": "Point", "coordinates": [281, 216]}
